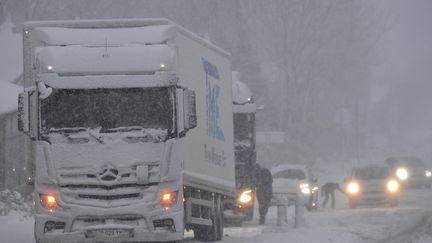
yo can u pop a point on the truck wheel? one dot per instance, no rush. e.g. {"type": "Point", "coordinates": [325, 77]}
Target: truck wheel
{"type": "Point", "coordinates": [208, 233]}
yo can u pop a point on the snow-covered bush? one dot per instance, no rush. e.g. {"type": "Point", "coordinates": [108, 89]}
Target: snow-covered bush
{"type": "Point", "coordinates": [13, 201]}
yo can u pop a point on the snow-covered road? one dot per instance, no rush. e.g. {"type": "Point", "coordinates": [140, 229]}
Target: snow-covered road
{"type": "Point", "coordinates": [376, 224]}
{"type": "Point", "coordinates": [373, 224]}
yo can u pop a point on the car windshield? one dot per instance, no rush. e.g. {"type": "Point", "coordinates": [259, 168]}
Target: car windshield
{"type": "Point", "coordinates": [371, 173]}
{"type": "Point", "coordinates": [107, 109]}
{"type": "Point", "coordinates": [294, 174]}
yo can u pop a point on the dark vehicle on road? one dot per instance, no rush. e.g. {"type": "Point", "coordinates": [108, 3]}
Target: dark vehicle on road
{"type": "Point", "coordinates": [410, 171]}
{"type": "Point", "coordinates": [372, 185]}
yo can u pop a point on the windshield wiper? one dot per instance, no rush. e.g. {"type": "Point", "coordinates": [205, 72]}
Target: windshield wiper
{"type": "Point", "coordinates": [98, 137]}
{"type": "Point", "coordinates": [121, 129]}
{"type": "Point", "coordinates": [67, 130]}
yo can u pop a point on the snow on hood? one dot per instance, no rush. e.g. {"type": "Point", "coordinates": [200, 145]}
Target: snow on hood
{"type": "Point", "coordinates": [123, 148]}
{"type": "Point", "coordinates": [55, 36]}
{"type": "Point", "coordinates": [11, 54]}
{"type": "Point", "coordinates": [9, 97]}
{"type": "Point", "coordinates": [97, 155]}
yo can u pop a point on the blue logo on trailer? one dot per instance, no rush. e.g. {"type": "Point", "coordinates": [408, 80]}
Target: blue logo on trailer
{"type": "Point", "coordinates": [213, 95]}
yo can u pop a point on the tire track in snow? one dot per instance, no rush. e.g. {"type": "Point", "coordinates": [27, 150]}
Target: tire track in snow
{"type": "Point", "coordinates": [410, 234]}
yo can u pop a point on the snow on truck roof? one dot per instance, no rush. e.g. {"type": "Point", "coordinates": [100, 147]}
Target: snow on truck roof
{"type": "Point", "coordinates": [241, 92]}
{"type": "Point", "coordinates": [56, 36]}
{"type": "Point", "coordinates": [161, 28]}
{"type": "Point", "coordinates": [242, 96]}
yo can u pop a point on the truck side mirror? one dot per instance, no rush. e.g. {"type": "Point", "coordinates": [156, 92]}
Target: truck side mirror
{"type": "Point", "coordinates": [190, 117]}
{"type": "Point", "coordinates": [23, 112]}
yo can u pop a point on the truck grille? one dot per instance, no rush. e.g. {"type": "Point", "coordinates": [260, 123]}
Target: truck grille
{"type": "Point", "coordinates": [88, 187]}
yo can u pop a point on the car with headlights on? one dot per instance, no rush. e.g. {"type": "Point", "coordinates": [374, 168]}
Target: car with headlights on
{"type": "Point", "coordinates": [372, 184]}
{"type": "Point", "coordinates": [293, 179]}
{"type": "Point", "coordinates": [410, 171]}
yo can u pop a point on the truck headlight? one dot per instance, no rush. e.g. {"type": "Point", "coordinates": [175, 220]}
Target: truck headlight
{"type": "Point", "coordinates": [428, 173]}
{"type": "Point", "coordinates": [245, 197]}
{"type": "Point", "coordinates": [304, 188]}
{"type": "Point", "coordinates": [168, 199]}
{"type": "Point", "coordinates": [392, 186]}
{"type": "Point", "coordinates": [402, 174]}
{"type": "Point", "coordinates": [48, 201]}
{"type": "Point", "coordinates": [353, 187]}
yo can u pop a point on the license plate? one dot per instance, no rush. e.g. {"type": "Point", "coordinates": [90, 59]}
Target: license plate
{"type": "Point", "coordinates": [109, 233]}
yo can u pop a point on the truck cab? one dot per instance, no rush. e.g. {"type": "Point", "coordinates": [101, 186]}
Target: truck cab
{"type": "Point", "coordinates": [244, 110]}
{"type": "Point", "coordinates": [110, 107]}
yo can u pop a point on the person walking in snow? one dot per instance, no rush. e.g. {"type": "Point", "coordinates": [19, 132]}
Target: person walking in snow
{"type": "Point", "coordinates": [264, 191]}
{"type": "Point", "coordinates": [328, 190]}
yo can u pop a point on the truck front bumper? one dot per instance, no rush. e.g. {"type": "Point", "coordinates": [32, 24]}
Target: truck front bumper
{"type": "Point", "coordinates": [93, 225]}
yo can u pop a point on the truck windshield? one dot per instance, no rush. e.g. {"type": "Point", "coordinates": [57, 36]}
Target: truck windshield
{"type": "Point", "coordinates": [108, 109]}
{"type": "Point", "coordinates": [244, 129]}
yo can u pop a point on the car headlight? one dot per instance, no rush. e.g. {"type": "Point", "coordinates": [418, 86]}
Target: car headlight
{"type": "Point", "coordinates": [428, 173]}
{"type": "Point", "coordinates": [304, 188]}
{"type": "Point", "coordinates": [392, 186]}
{"type": "Point", "coordinates": [402, 174]}
{"type": "Point", "coordinates": [245, 197]}
{"type": "Point", "coordinates": [353, 187]}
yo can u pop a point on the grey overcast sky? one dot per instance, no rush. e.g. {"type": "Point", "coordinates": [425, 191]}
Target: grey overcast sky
{"type": "Point", "coordinates": [405, 49]}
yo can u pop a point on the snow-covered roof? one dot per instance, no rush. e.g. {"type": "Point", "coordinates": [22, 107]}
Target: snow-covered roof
{"type": "Point", "coordinates": [82, 60]}
{"type": "Point", "coordinates": [9, 96]}
{"type": "Point", "coordinates": [242, 96]}
{"type": "Point", "coordinates": [55, 36]}
{"type": "Point", "coordinates": [241, 93]}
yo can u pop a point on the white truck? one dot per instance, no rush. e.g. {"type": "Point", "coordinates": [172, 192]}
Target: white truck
{"type": "Point", "coordinates": [131, 125]}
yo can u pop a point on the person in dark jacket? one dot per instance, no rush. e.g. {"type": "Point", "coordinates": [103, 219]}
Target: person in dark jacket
{"type": "Point", "coordinates": [328, 190]}
{"type": "Point", "coordinates": [263, 191]}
